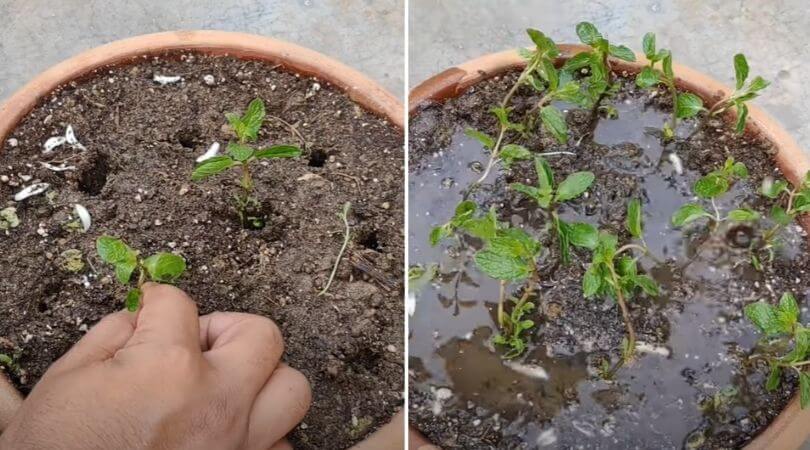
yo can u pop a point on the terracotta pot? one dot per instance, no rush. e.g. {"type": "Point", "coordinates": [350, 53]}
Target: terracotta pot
{"type": "Point", "coordinates": [297, 59]}
{"type": "Point", "coordinates": [792, 427]}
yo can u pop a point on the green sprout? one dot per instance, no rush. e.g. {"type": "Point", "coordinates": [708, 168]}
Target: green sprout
{"type": "Point", "coordinates": [796, 202]}
{"type": "Point", "coordinates": [782, 322]}
{"type": "Point", "coordinates": [613, 273]}
{"type": "Point", "coordinates": [711, 187]}
{"type": "Point", "coordinates": [548, 196]}
{"type": "Point", "coordinates": [742, 93]}
{"type": "Point", "coordinates": [161, 267]}
{"type": "Point", "coordinates": [344, 216]}
{"type": "Point", "coordinates": [241, 155]}
{"type": "Point", "coordinates": [684, 105]}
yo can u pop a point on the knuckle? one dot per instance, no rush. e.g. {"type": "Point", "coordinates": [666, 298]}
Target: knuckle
{"type": "Point", "coordinates": [269, 331]}
{"type": "Point", "coordinates": [300, 385]}
{"type": "Point", "coordinates": [180, 359]}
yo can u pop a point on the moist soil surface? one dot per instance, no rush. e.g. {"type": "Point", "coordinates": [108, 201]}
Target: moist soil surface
{"type": "Point", "coordinates": [694, 386]}
{"type": "Point", "coordinates": [142, 139]}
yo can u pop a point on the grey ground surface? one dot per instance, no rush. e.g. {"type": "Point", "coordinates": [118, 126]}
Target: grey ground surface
{"type": "Point", "coordinates": [704, 34]}
{"type": "Point", "coordinates": [364, 34]}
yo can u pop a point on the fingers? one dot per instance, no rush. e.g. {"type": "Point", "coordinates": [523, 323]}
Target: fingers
{"type": "Point", "coordinates": [244, 348]}
{"type": "Point", "coordinates": [168, 317]}
{"type": "Point", "coordinates": [99, 344]}
{"type": "Point", "coordinates": [279, 407]}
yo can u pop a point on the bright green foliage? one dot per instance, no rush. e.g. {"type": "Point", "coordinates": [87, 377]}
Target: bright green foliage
{"type": "Point", "coordinates": [790, 203]}
{"type": "Point", "coordinates": [610, 272]}
{"type": "Point", "coordinates": [686, 105]}
{"type": "Point", "coordinates": [514, 327]}
{"type": "Point", "coordinates": [783, 321]}
{"type": "Point", "coordinates": [710, 187]}
{"type": "Point", "coordinates": [634, 223]}
{"type": "Point", "coordinates": [743, 93]}
{"type": "Point", "coordinates": [161, 267]}
{"type": "Point", "coordinates": [548, 196]}
{"type": "Point", "coordinates": [242, 155]}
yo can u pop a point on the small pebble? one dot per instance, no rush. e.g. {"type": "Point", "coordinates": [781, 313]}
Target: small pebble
{"type": "Point", "coordinates": [209, 80]}
{"type": "Point", "coordinates": [13, 142]}
{"type": "Point", "coordinates": [386, 205]}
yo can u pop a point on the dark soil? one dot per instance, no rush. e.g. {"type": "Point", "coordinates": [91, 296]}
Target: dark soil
{"type": "Point", "coordinates": [142, 140]}
{"type": "Point", "coordinates": [464, 395]}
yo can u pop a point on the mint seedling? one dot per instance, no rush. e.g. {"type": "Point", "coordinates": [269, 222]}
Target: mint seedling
{"type": "Point", "coordinates": [743, 93]}
{"type": "Point", "coordinates": [684, 105]}
{"type": "Point", "coordinates": [344, 216]}
{"type": "Point", "coordinates": [789, 204]}
{"type": "Point", "coordinates": [613, 272]}
{"type": "Point", "coordinates": [161, 267]}
{"type": "Point", "coordinates": [242, 155]}
{"type": "Point", "coordinates": [548, 196]}
{"type": "Point", "coordinates": [782, 322]}
{"type": "Point", "coordinates": [711, 187]}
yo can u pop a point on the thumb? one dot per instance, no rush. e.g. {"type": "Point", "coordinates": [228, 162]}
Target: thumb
{"type": "Point", "coordinates": [167, 317]}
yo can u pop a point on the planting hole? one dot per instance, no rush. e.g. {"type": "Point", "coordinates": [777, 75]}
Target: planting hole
{"type": "Point", "coordinates": [188, 138]}
{"type": "Point", "coordinates": [94, 178]}
{"type": "Point", "coordinates": [370, 240]}
{"type": "Point", "coordinates": [740, 236]}
{"type": "Point", "coordinates": [317, 158]}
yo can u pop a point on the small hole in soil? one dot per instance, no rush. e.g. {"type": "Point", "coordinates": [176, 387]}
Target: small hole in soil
{"type": "Point", "coordinates": [740, 236]}
{"type": "Point", "coordinates": [42, 307]}
{"type": "Point", "coordinates": [188, 138]}
{"type": "Point", "coordinates": [370, 240]}
{"type": "Point", "coordinates": [317, 158]}
{"type": "Point", "coordinates": [94, 178]}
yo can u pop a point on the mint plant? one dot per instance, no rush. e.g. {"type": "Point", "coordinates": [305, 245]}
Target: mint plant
{"type": "Point", "coordinates": [685, 105]}
{"type": "Point", "coordinates": [782, 322]}
{"type": "Point", "coordinates": [240, 154]}
{"type": "Point", "coordinates": [548, 196]}
{"type": "Point", "coordinates": [711, 187]}
{"type": "Point", "coordinates": [743, 93]}
{"type": "Point", "coordinates": [613, 272]}
{"type": "Point", "coordinates": [789, 204]}
{"type": "Point", "coordinates": [161, 267]}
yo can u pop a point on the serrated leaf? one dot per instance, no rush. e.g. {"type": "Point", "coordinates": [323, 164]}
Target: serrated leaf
{"type": "Point", "coordinates": [711, 186]}
{"type": "Point", "coordinates": [647, 78]}
{"type": "Point", "coordinates": [483, 228]}
{"type": "Point", "coordinates": [554, 123]}
{"type": "Point", "coordinates": [647, 284]}
{"type": "Point", "coordinates": [252, 120]}
{"type": "Point", "coordinates": [545, 46]}
{"type": "Point", "coordinates": [114, 251]}
{"type": "Point", "coordinates": [501, 266]}
{"type": "Point", "coordinates": [758, 84]}
{"type": "Point", "coordinates": [666, 63]}
{"type": "Point", "coordinates": [739, 170]}
{"type": "Point", "coordinates": [626, 265]}
{"type": "Point", "coordinates": [563, 240]}
{"type": "Point", "coordinates": [164, 267]}
{"type": "Point", "coordinates": [622, 52]}
{"type": "Point", "coordinates": [513, 152]}
{"type": "Point", "coordinates": [545, 176]}
{"type": "Point", "coordinates": [763, 316]}
{"type": "Point", "coordinates": [774, 377]}
{"type": "Point", "coordinates": [574, 186]}
{"type": "Point", "coordinates": [740, 69]}
{"type": "Point", "coordinates": [788, 311]}
{"type": "Point", "coordinates": [688, 213]}
{"type": "Point", "coordinates": [648, 45]}
{"type": "Point", "coordinates": [278, 151]}
{"type": "Point", "coordinates": [633, 222]}
{"type": "Point", "coordinates": [239, 152]}
{"type": "Point", "coordinates": [743, 215]}
{"type": "Point", "coordinates": [577, 62]}
{"type": "Point", "coordinates": [549, 74]}
{"type": "Point", "coordinates": [502, 114]}
{"type": "Point", "coordinates": [529, 191]}
{"type": "Point", "coordinates": [133, 300]}
{"type": "Point", "coordinates": [688, 105]}
{"type": "Point", "coordinates": [437, 234]}
{"type": "Point", "coordinates": [591, 282]}
{"type": "Point", "coordinates": [742, 117]}
{"type": "Point", "coordinates": [588, 33]}
{"type": "Point", "coordinates": [464, 210]}
{"type": "Point", "coordinates": [780, 216]}
{"type": "Point", "coordinates": [517, 242]}
{"type": "Point", "coordinates": [583, 235]}
{"type": "Point", "coordinates": [483, 138]}
{"type": "Point", "coordinates": [212, 166]}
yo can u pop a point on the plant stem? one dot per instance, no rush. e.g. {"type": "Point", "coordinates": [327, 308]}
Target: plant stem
{"type": "Point", "coordinates": [501, 299]}
{"type": "Point", "coordinates": [343, 215]}
{"type": "Point", "coordinates": [627, 247]}
{"type": "Point", "coordinates": [673, 91]}
{"type": "Point", "coordinates": [717, 217]}
{"type": "Point", "coordinates": [631, 332]}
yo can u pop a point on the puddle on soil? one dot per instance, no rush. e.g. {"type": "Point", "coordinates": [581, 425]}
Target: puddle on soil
{"type": "Point", "coordinates": [551, 399]}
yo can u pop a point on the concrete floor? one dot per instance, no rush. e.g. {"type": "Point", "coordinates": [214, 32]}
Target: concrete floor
{"type": "Point", "coordinates": [36, 34]}
{"type": "Point", "coordinates": [704, 34]}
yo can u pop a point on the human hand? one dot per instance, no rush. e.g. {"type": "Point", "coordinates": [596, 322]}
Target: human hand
{"type": "Point", "coordinates": [165, 378]}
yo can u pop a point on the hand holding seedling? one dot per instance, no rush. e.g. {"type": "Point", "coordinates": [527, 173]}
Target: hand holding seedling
{"type": "Point", "coordinates": [166, 378]}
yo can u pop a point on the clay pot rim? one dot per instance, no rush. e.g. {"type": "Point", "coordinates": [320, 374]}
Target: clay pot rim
{"type": "Point", "coordinates": [788, 430]}
{"type": "Point", "coordinates": [360, 89]}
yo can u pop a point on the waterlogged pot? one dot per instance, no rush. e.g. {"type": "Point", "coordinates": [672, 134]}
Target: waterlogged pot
{"type": "Point", "coordinates": [792, 427]}
{"type": "Point", "coordinates": [291, 57]}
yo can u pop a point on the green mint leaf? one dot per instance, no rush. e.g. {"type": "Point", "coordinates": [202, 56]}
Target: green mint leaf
{"type": "Point", "coordinates": [622, 52]}
{"type": "Point", "coordinates": [252, 120]}
{"type": "Point", "coordinates": [780, 216]}
{"type": "Point", "coordinates": [549, 74]}
{"type": "Point", "coordinates": [525, 53]}
{"type": "Point", "coordinates": [764, 317]}
{"type": "Point", "coordinates": [742, 117]}
{"type": "Point", "coordinates": [688, 213]}
{"type": "Point", "coordinates": [212, 166]}
{"type": "Point", "coordinates": [570, 92]}
{"type": "Point", "coordinates": [577, 62]}
{"type": "Point", "coordinates": [574, 186]}
{"type": "Point", "coordinates": [554, 123]}
{"type": "Point", "coordinates": [740, 69]}
{"type": "Point", "coordinates": [647, 78]}
{"type": "Point", "coordinates": [513, 152]}
{"type": "Point", "coordinates": [464, 210]}
{"type": "Point", "coordinates": [648, 45]}
{"type": "Point", "coordinates": [545, 176]}
{"type": "Point", "coordinates": [757, 84]}
{"type": "Point", "coordinates": [688, 105]}
{"type": "Point", "coordinates": [743, 215]}
{"type": "Point", "coordinates": [483, 138]}
{"type": "Point", "coordinates": [239, 152]}
{"type": "Point", "coordinates": [583, 235]}
{"type": "Point", "coordinates": [419, 277]}
{"type": "Point", "coordinates": [633, 223]}
{"type": "Point", "coordinates": [164, 267]}
{"type": "Point", "coordinates": [667, 65]}
{"type": "Point", "coordinates": [545, 46]}
{"type": "Point", "coordinates": [774, 377]}
{"type": "Point", "coordinates": [627, 266]}
{"type": "Point", "coordinates": [484, 228]}
{"type": "Point", "coordinates": [133, 300]}
{"type": "Point", "coordinates": [711, 186]}
{"type": "Point", "coordinates": [591, 282]}
{"type": "Point", "coordinates": [738, 169]}
{"type": "Point", "coordinates": [588, 34]}
{"type": "Point", "coordinates": [773, 188]}
{"type": "Point", "coordinates": [114, 251]}
{"type": "Point", "coordinates": [804, 387]}
{"type": "Point", "coordinates": [501, 266]}
{"type": "Point", "coordinates": [502, 114]}
{"type": "Point", "coordinates": [529, 191]}
{"type": "Point", "coordinates": [236, 122]}
{"type": "Point", "coordinates": [515, 242]}
{"type": "Point", "coordinates": [787, 312]}
{"type": "Point", "coordinates": [647, 284]}
{"type": "Point", "coordinates": [278, 151]}
{"type": "Point", "coordinates": [437, 234]}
